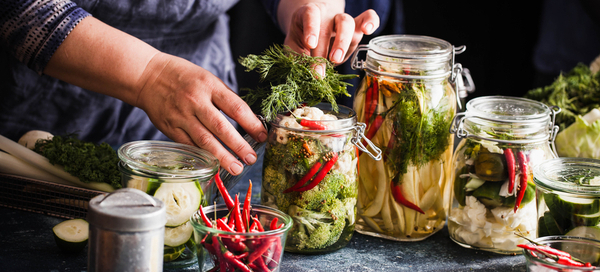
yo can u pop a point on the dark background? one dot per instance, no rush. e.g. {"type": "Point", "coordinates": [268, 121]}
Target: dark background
{"type": "Point", "coordinates": [499, 35]}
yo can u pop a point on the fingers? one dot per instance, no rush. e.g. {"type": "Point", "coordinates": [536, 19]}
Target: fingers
{"type": "Point", "coordinates": [344, 33]}
{"type": "Point", "coordinates": [367, 22]}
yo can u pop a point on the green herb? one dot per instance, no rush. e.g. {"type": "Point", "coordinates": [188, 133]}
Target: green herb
{"type": "Point", "coordinates": [287, 80]}
{"type": "Point", "coordinates": [87, 161]}
{"type": "Point", "coordinates": [576, 93]}
{"type": "Point", "coordinates": [422, 136]}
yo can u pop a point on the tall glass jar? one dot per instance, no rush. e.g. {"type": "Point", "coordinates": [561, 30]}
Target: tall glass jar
{"type": "Point", "coordinates": [492, 197]}
{"type": "Point", "coordinates": [407, 100]}
{"type": "Point", "coordinates": [179, 175]}
{"type": "Point", "coordinates": [568, 197]}
{"type": "Point", "coordinates": [310, 173]}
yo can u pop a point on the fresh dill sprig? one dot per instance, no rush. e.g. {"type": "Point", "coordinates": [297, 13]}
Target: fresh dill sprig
{"type": "Point", "coordinates": [288, 80]}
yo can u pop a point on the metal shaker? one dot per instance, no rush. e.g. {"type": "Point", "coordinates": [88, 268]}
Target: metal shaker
{"type": "Point", "coordinates": [127, 229]}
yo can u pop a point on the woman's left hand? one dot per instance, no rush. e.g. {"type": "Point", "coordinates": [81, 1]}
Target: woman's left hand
{"type": "Point", "coordinates": [323, 29]}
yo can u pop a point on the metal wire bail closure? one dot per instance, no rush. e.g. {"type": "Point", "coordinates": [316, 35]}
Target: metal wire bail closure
{"type": "Point", "coordinates": [359, 135]}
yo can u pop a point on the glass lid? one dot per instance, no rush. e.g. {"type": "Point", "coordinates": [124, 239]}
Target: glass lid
{"type": "Point", "coordinates": [573, 175]}
{"type": "Point", "coordinates": [508, 108]}
{"type": "Point", "coordinates": [410, 46]}
{"type": "Point", "coordinates": [171, 159]}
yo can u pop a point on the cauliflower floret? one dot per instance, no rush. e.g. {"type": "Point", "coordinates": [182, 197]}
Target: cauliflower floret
{"type": "Point", "coordinates": [311, 113]}
{"type": "Point", "coordinates": [474, 214]}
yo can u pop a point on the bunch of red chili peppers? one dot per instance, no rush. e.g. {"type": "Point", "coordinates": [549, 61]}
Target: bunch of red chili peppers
{"type": "Point", "coordinates": [235, 252]}
{"type": "Point", "coordinates": [512, 165]}
{"type": "Point", "coordinates": [559, 256]}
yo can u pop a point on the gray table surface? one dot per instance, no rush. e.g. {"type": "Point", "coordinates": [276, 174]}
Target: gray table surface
{"type": "Point", "coordinates": [27, 244]}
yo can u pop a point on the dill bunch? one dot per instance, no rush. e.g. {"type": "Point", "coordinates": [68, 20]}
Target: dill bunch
{"type": "Point", "coordinates": [576, 93]}
{"type": "Point", "coordinates": [288, 80]}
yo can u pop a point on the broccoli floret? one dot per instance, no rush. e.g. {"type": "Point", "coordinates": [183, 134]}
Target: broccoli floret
{"type": "Point", "coordinates": [294, 156]}
{"type": "Point", "coordinates": [274, 182]}
{"type": "Point", "coordinates": [317, 229]}
{"type": "Point", "coordinates": [327, 189]}
{"type": "Point", "coordinates": [349, 188]}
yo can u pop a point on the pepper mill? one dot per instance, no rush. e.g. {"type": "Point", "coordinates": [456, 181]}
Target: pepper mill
{"type": "Point", "coordinates": [127, 229]}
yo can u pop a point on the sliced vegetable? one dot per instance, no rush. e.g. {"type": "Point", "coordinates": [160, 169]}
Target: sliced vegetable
{"type": "Point", "coordinates": [491, 166]}
{"type": "Point", "coordinates": [71, 235]}
{"type": "Point", "coordinates": [172, 253]}
{"type": "Point", "coordinates": [180, 199]}
{"type": "Point", "coordinates": [179, 235]}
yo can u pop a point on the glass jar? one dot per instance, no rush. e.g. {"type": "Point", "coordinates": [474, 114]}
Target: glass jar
{"type": "Point", "coordinates": [568, 197]}
{"type": "Point", "coordinates": [492, 194]}
{"type": "Point", "coordinates": [311, 175]}
{"type": "Point", "coordinates": [583, 249]}
{"type": "Point", "coordinates": [179, 175]}
{"type": "Point", "coordinates": [407, 101]}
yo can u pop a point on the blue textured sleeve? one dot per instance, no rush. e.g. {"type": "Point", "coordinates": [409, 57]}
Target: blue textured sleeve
{"type": "Point", "coordinates": [271, 7]}
{"type": "Point", "coordinates": [32, 30]}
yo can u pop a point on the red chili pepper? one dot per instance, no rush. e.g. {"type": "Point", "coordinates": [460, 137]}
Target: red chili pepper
{"type": "Point", "coordinates": [239, 226]}
{"type": "Point", "coordinates": [319, 177]}
{"type": "Point", "coordinates": [276, 254]}
{"type": "Point", "coordinates": [230, 258]}
{"type": "Point", "coordinates": [207, 221]}
{"type": "Point", "coordinates": [371, 100]}
{"type": "Point", "coordinates": [311, 173]}
{"type": "Point", "coordinates": [219, 253]}
{"type": "Point", "coordinates": [246, 210]}
{"type": "Point", "coordinates": [273, 224]}
{"type": "Point", "coordinates": [399, 197]}
{"type": "Point", "coordinates": [524, 177]}
{"type": "Point", "coordinates": [567, 261]}
{"type": "Point", "coordinates": [510, 161]}
{"type": "Point", "coordinates": [311, 124]}
{"type": "Point", "coordinates": [260, 250]}
{"type": "Point", "coordinates": [374, 126]}
{"type": "Point", "coordinates": [258, 224]}
{"type": "Point", "coordinates": [262, 266]}
{"type": "Point", "coordinates": [221, 225]}
{"type": "Point", "coordinates": [243, 255]}
{"type": "Point", "coordinates": [226, 197]}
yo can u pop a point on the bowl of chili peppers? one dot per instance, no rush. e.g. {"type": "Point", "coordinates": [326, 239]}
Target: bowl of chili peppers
{"type": "Point", "coordinates": [562, 253]}
{"type": "Point", "coordinates": [240, 237]}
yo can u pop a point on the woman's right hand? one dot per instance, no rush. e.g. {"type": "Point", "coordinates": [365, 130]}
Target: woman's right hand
{"type": "Point", "coordinates": [185, 101]}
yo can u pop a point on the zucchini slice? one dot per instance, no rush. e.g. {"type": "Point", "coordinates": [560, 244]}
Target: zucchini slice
{"type": "Point", "coordinates": [71, 235]}
{"type": "Point", "coordinates": [181, 200]}
{"type": "Point", "coordinates": [179, 235]}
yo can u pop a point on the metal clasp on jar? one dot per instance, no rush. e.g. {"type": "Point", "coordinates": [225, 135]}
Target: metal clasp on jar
{"type": "Point", "coordinates": [457, 128]}
{"type": "Point", "coordinates": [359, 135]}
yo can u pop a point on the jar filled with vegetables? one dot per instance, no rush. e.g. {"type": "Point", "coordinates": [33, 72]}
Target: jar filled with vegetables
{"type": "Point", "coordinates": [407, 100]}
{"type": "Point", "coordinates": [568, 197]}
{"type": "Point", "coordinates": [492, 203]}
{"type": "Point", "coordinates": [179, 175]}
{"type": "Point", "coordinates": [310, 172]}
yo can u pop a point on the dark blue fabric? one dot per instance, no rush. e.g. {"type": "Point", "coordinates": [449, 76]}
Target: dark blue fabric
{"type": "Point", "coordinates": [567, 36]}
{"type": "Point", "coordinates": [195, 30]}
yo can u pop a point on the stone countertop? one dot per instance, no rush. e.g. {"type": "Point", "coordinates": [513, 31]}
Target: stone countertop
{"type": "Point", "coordinates": [28, 245]}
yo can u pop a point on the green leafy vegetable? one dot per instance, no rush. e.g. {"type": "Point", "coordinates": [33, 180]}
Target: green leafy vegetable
{"type": "Point", "coordinates": [582, 138]}
{"type": "Point", "coordinates": [289, 80]}
{"type": "Point", "coordinates": [87, 161]}
{"type": "Point", "coordinates": [576, 93]}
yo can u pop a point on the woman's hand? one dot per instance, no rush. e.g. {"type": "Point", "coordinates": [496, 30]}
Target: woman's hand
{"type": "Point", "coordinates": [182, 99]}
{"type": "Point", "coordinates": [323, 29]}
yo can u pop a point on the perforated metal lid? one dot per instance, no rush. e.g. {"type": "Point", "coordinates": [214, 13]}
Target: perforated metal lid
{"type": "Point", "coordinates": [127, 210]}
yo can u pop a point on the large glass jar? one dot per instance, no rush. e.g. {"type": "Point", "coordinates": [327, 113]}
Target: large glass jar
{"type": "Point", "coordinates": [568, 197]}
{"type": "Point", "coordinates": [181, 176]}
{"type": "Point", "coordinates": [492, 197]}
{"type": "Point", "coordinates": [310, 173]}
{"type": "Point", "coordinates": [407, 100]}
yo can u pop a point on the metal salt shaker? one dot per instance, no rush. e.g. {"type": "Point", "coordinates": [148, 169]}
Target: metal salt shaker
{"type": "Point", "coordinates": [127, 229]}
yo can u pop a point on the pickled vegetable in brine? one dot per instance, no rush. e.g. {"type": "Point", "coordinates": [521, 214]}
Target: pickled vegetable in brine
{"type": "Point", "coordinates": [401, 197]}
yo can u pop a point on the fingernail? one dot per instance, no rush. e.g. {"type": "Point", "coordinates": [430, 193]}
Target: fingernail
{"type": "Point", "coordinates": [235, 168]}
{"type": "Point", "coordinates": [312, 41]}
{"type": "Point", "coordinates": [369, 27]}
{"type": "Point", "coordinates": [262, 137]}
{"type": "Point", "coordinates": [337, 55]}
{"type": "Point", "coordinates": [320, 70]}
{"type": "Point", "coordinates": [250, 159]}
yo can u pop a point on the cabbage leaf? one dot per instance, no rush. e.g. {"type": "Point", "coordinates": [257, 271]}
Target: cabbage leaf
{"type": "Point", "coordinates": [582, 138]}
